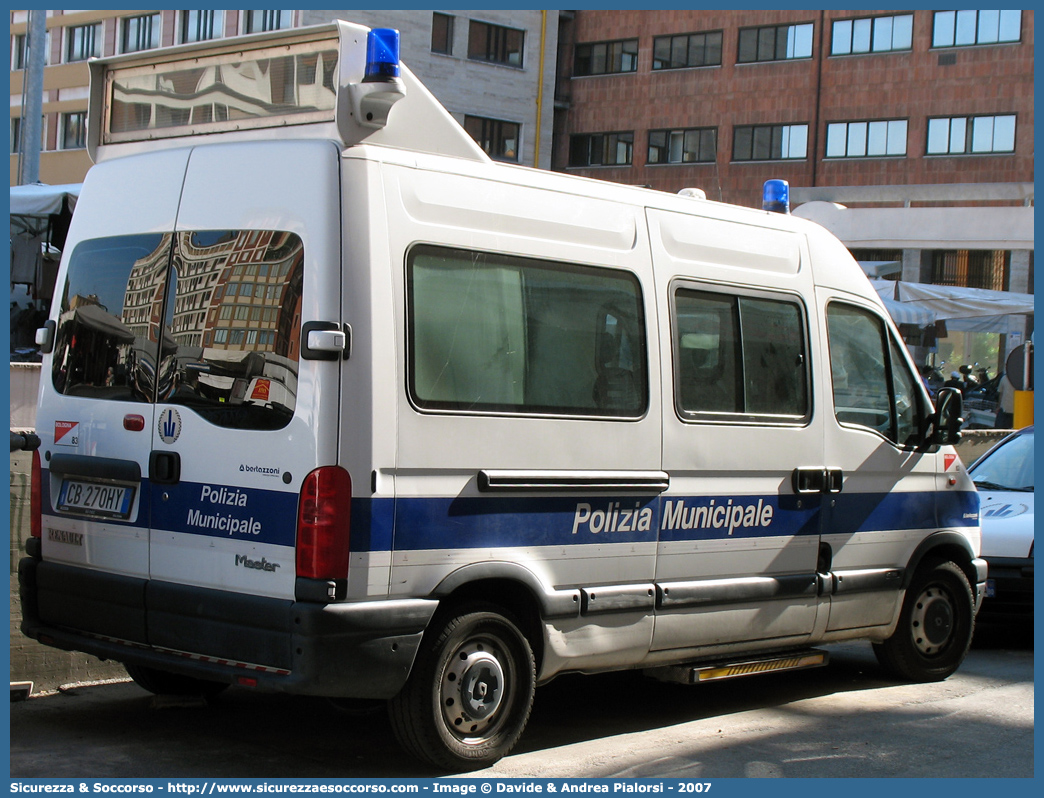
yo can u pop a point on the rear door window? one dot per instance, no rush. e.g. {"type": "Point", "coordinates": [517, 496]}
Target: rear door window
{"type": "Point", "coordinates": [205, 319]}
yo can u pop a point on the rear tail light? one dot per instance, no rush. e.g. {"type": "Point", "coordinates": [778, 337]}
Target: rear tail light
{"type": "Point", "coordinates": [323, 524]}
{"type": "Point", "coordinates": [36, 498]}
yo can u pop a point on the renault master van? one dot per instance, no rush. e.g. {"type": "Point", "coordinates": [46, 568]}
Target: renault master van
{"type": "Point", "coordinates": [334, 405]}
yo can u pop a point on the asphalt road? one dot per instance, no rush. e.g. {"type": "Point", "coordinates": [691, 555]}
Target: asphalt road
{"type": "Point", "coordinates": [845, 720]}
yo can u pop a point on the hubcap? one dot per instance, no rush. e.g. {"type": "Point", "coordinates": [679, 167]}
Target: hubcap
{"type": "Point", "coordinates": [932, 621]}
{"type": "Point", "coordinates": [473, 689]}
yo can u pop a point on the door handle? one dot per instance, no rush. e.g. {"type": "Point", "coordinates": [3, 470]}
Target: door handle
{"type": "Point", "coordinates": [835, 479]}
{"type": "Point", "coordinates": [817, 480]}
{"type": "Point", "coordinates": [165, 467]}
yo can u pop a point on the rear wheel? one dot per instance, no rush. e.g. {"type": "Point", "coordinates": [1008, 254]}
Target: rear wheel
{"type": "Point", "coordinates": [470, 692]}
{"type": "Point", "coordinates": [935, 625]}
{"type": "Point", "coordinates": [167, 683]}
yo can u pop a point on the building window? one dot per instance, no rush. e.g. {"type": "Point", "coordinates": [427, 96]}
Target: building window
{"type": "Point", "coordinates": [441, 33]}
{"type": "Point", "coordinates": [200, 26]}
{"type": "Point", "coordinates": [970, 27]}
{"type": "Point", "coordinates": [17, 131]}
{"type": "Point", "coordinates": [74, 131]}
{"type": "Point", "coordinates": [604, 58]}
{"type": "Point", "coordinates": [866, 139]}
{"type": "Point", "coordinates": [499, 139]}
{"type": "Point", "coordinates": [696, 145]}
{"type": "Point", "coordinates": [971, 135]}
{"type": "Point", "coordinates": [971, 268]}
{"type": "Point", "coordinates": [83, 42]}
{"type": "Point", "coordinates": [775, 43]}
{"type": "Point", "coordinates": [872, 35]}
{"type": "Point", "coordinates": [495, 44]}
{"type": "Point", "coordinates": [19, 51]}
{"type": "Point", "coordinates": [687, 50]}
{"type": "Point", "coordinates": [601, 149]}
{"type": "Point", "coordinates": [769, 142]}
{"type": "Point", "coordinates": [139, 33]}
{"type": "Point", "coordinates": [261, 21]}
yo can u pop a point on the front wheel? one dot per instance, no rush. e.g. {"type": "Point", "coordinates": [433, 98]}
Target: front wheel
{"type": "Point", "coordinates": [470, 692]}
{"type": "Point", "coordinates": [935, 625]}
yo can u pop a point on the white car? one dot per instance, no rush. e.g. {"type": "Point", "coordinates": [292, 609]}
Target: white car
{"type": "Point", "coordinates": [1004, 477]}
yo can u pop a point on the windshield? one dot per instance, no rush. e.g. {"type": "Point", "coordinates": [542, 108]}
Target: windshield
{"type": "Point", "coordinates": [1008, 467]}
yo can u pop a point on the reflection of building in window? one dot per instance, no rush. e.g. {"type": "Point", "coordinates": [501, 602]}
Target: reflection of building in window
{"type": "Point", "coordinates": [143, 299]}
{"type": "Point", "coordinates": [234, 291]}
{"type": "Point", "coordinates": [249, 88]}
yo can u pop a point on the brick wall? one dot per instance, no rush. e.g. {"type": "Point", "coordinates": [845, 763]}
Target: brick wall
{"type": "Point", "coordinates": [911, 85]}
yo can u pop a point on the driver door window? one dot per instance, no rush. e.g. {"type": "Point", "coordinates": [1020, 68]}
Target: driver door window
{"type": "Point", "coordinates": [872, 385]}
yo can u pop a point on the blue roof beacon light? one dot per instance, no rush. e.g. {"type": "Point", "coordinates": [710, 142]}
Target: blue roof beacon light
{"type": "Point", "coordinates": [776, 196]}
{"type": "Point", "coordinates": [382, 55]}
{"type": "Point", "coordinates": [381, 86]}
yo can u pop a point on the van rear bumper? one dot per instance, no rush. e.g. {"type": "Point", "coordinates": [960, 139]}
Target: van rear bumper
{"type": "Point", "coordinates": [350, 650]}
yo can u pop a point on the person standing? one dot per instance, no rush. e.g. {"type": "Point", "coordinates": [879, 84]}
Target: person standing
{"type": "Point", "coordinates": [1006, 409]}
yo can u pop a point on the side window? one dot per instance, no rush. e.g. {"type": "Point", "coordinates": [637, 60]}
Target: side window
{"type": "Point", "coordinates": [872, 385]}
{"type": "Point", "coordinates": [229, 301]}
{"type": "Point", "coordinates": [491, 333]}
{"type": "Point", "coordinates": [740, 355]}
{"type": "Point", "coordinates": [905, 396]}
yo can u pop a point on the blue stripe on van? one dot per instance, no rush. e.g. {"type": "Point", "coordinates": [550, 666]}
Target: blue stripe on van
{"type": "Point", "coordinates": [250, 514]}
{"type": "Point", "coordinates": [270, 516]}
{"type": "Point", "coordinates": [490, 522]}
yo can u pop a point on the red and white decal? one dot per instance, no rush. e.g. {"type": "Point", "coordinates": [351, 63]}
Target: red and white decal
{"type": "Point", "coordinates": [262, 389]}
{"type": "Point", "coordinates": [948, 460]}
{"type": "Point", "coordinates": [67, 433]}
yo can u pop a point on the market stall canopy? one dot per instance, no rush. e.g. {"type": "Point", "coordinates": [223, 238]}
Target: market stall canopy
{"type": "Point", "coordinates": [96, 318]}
{"type": "Point", "coordinates": [969, 309]}
{"type": "Point", "coordinates": [40, 217]}
{"type": "Point", "coordinates": [39, 200]}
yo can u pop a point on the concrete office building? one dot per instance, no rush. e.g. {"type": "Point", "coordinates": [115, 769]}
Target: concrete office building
{"type": "Point", "coordinates": [494, 70]}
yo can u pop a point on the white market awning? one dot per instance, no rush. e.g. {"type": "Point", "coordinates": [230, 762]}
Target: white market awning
{"type": "Point", "coordinates": [42, 200]}
{"type": "Point", "coordinates": [971, 309]}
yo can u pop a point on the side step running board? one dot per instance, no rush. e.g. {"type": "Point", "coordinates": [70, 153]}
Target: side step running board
{"type": "Point", "coordinates": [730, 669]}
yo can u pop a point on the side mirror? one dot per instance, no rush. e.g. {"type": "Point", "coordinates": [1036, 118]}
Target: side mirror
{"type": "Point", "coordinates": [947, 420]}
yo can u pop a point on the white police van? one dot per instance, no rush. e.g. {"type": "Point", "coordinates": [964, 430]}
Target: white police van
{"type": "Point", "coordinates": [334, 405]}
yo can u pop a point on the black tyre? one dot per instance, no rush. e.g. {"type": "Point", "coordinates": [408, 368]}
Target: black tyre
{"type": "Point", "coordinates": [935, 625]}
{"type": "Point", "coordinates": [470, 692]}
{"type": "Point", "coordinates": [167, 683]}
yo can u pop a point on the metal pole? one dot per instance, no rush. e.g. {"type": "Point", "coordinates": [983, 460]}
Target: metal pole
{"type": "Point", "coordinates": [32, 98]}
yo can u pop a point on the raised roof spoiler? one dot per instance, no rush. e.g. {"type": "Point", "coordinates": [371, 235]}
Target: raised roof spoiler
{"type": "Point", "coordinates": [299, 83]}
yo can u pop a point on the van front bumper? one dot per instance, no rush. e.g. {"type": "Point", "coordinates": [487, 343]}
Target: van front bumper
{"type": "Point", "coordinates": [349, 649]}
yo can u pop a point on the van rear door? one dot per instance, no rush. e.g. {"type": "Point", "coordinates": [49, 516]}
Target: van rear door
{"type": "Point", "coordinates": [96, 413]}
{"type": "Point", "coordinates": [240, 422]}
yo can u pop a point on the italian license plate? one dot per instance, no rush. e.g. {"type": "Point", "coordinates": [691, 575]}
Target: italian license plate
{"type": "Point", "coordinates": [96, 499]}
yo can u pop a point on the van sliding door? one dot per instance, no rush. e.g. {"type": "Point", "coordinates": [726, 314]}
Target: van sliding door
{"type": "Point", "coordinates": [739, 535]}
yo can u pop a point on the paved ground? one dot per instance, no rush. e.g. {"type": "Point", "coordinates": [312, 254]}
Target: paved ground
{"type": "Point", "coordinates": [843, 720]}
